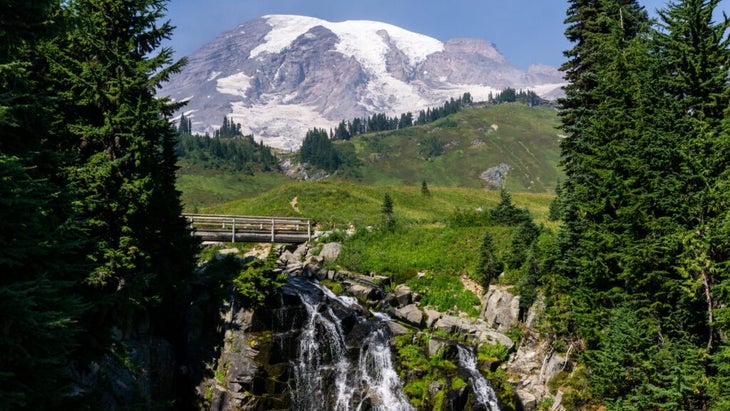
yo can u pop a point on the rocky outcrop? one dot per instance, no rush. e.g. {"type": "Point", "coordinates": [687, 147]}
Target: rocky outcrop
{"type": "Point", "coordinates": [502, 309]}
{"type": "Point", "coordinates": [252, 370]}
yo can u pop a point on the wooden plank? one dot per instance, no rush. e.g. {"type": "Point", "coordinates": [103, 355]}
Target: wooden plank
{"type": "Point", "coordinates": [234, 228]}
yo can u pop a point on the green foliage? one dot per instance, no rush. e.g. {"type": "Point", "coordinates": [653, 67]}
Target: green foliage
{"type": "Point", "coordinates": [469, 218]}
{"type": "Point", "coordinates": [317, 149]}
{"type": "Point", "coordinates": [424, 189]}
{"type": "Point", "coordinates": [510, 95]}
{"type": "Point", "coordinates": [387, 211]}
{"type": "Point", "coordinates": [259, 279]}
{"type": "Point", "coordinates": [491, 353]}
{"type": "Point", "coordinates": [430, 147]}
{"type": "Point", "coordinates": [489, 266]}
{"type": "Point", "coordinates": [237, 153]}
{"type": "Point", "coordinates": [445, 293]}
{"type": "Point", "coordinates": [640, 246]}
{"type": "Point", "coordinates": [507, 213]}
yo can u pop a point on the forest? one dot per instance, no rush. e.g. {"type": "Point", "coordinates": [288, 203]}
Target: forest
{"type": "Point", "coordinates": [94, 247]}
{"type": "Point", "coordinates": [636, 278]}
{"type": "Point", "coordinates": [639, 278]}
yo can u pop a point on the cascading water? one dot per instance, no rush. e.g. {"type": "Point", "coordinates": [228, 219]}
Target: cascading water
{"type": "Point", "coordinates": [483, 392]}
{"type": "Point", "coordinates": [382, 385]}
{"type": "Point", "coordinates": [321, 352]}
{"type": "Point", "coordinates": [325, 378]}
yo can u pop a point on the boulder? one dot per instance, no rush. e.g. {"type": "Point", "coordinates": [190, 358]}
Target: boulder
{"type": "Point", "coordinates": [330, 251]}
{"type": "Point", "coordinates": [502, 309]}
{"type": "Point", "coordinates": [525, 400]}
{"type": "Point", "coordinates": [397, 329]}
{"type": "Point", "coordinates": [431, 317]}
{"type": "Point", "coordinates": [403, 295]}
{"type": "Point", "coordinates": [495, 337]}
{"type": "Point", "coordinates": [410, 314]}
{"type": "Point", "coordinates": [453, 325]}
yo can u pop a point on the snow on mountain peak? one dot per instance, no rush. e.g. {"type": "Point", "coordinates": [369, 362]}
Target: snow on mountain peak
{"type": "Point", "coordinates": [361, 39]}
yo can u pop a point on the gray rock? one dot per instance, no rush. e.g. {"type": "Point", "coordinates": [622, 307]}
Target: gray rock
{"type": "Point", "coordinates": [495, 337]}
{"type": "Point", "coordinates": [403, 295]}
{"type": "Point", "coordinates": [431, 317]}
{"type": "Point", "coordinates": [410, 314]}
{"type": "Point", "coordinates": [502, 309]}
{"type": "Point", "coordinates": [397, 329]}
{"type": "Point", "coordinates": [330, 251]}
{"type": "Point", "coordinates": [526, 401]}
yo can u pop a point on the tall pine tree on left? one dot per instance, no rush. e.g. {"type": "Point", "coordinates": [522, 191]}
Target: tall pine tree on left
{"type": "Point", "coordinates": [106, 70]}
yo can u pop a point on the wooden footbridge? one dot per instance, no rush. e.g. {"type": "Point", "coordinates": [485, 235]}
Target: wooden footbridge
{"type": "Point", "coordinates": [237, 229]}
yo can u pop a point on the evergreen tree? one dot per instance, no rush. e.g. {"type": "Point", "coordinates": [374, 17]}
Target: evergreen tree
{"type": "Point", "coordinates": [108, 67]}
{"type": "Point", "coordinates": [387, 211]}
{"type": "Point", "coordinates": [489, 266]}
{"type": "Point", "coordinates": [41, 257]}
{"type": "Point", "coordinates": [424, 189]}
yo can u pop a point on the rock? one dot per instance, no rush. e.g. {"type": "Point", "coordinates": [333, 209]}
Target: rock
{"type": "Point", "coordinates": [330, 251]}
{"type": "Point", "coordinates": [300, 252]}
{"type": "Point", "coordinates": [525, 400]}
{"type": "Point", "coordinates": [495, 337]}
{"type": "Point", "coordinates": [431, 317]}
{"type": "Point", "coordinates": [502, 309]}
{"type": "Point", "coordinates": [435, 387]}
{"type": "Point", "coordinates": [453, 325]}
{"type": "Point", "coordinates": [287, 258]}
{"type": "Point", "coordinates": [403, 295]}
{"type": "Point", "coordinates": [362, 291]}
{"type": "Point", "coordinates": [435, 347]}
{"type": "Point", "coordinates": [410, 314]}
{"type": "Point", "coordinates": [315, 260]}
{"type": "Point", "coordinates": [397, 329]}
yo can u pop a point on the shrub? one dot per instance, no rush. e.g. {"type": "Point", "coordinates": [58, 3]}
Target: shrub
{"type": "Point", "coordinates": [259, 280]}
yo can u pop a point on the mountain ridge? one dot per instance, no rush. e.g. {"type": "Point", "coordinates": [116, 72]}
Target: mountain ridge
{"type": "Point", "coordinates": [281, 75]}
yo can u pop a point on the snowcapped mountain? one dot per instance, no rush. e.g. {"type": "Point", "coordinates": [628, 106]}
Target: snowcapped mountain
{"type": "Point", "coordinates": [280, 75]}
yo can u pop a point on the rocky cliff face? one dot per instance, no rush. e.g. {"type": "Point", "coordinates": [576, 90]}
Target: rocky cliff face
{"type": "Point", "coordinates": [262, 357]}
{"type": "Point", "coordinates": [279, 76]}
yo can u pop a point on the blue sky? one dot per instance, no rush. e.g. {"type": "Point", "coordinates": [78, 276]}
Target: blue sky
{"type": "Point", "coordinates": [525, 31]}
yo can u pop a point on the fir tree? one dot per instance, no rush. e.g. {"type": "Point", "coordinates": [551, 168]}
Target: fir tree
{"type": "Point", "coordinates": [108, 67]}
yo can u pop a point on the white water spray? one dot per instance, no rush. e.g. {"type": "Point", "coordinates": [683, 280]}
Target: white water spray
{"type": "Point", "coordinates": [483, 392]}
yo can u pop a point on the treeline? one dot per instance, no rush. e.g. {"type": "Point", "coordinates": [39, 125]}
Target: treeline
{"type": "Point", "coordinates": [94, 247]}
{"type": "Point", "coordinates": [381, 122]}
{"type": "Point", "coordinates": [319, 149]}
{"type": "Point", "coordinates": [228, 149]}
{"type": "Point", "coordinates": [510, 95]}
{"type": "Point", "coordinates": [639, 283]}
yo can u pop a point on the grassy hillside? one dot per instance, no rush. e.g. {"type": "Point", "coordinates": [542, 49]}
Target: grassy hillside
{"type": "Point", "coordinates": [470, 142]}
{"type": "Point", "coordinates": [339, 204]}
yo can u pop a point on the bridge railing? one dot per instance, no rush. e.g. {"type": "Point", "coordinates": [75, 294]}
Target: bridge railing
{"type": "Point", "coordinates": [272, 228]}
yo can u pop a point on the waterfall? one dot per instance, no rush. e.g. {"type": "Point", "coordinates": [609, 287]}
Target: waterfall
{"type": "Point", "coordinates": [382, 385]}
{"type": "Point", "coordinates": [483, 392]}
{"type": "Point", "coordinates": [321, 353]}
{"type": "Point", "coordinates": [325, 377]}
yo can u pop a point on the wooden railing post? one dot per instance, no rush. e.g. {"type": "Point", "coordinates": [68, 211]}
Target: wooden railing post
{"type": "Point", "coordinates": [309, 229]}
{"type": "Point", "coordinates": [273, 222]}
{"type": "Point", "coordinates": [233, 231]}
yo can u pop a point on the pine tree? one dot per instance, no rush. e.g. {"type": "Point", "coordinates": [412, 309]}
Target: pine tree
{"type": "Point", "coordinates": [424, 189]}
{"type": "Point", "coordinates": [108, 67]}
{"type": "Point", "coordinates": [41, 257]}
{"type": "Point", "coordinates": [387, 212]}
{"type": "Point", "coordinates": [489, 266]}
